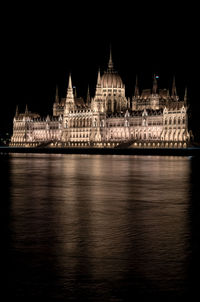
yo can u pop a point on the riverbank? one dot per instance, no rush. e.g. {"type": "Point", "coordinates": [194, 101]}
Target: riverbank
{"type": "Point", "coordinates": [193, 151]}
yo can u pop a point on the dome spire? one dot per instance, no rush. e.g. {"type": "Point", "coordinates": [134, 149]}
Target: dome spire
{"type": "Point", "coordinates": [110, 63]}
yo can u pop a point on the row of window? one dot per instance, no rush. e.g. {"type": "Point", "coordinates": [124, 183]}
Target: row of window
{"type": "Point", "coordinates": [174, 121]}
{"type": "Point", "coordinates": [79, 135]}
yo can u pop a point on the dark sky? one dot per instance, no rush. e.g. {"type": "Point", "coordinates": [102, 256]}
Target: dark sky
{"type": "Point", "coordinates": [42, 44]}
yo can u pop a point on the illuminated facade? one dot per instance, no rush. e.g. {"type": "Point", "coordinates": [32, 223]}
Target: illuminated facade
{"type": "Point", "coordinates": [152, 118]}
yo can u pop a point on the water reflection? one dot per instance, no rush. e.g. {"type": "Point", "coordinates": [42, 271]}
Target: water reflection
{"type": "Point", "coordinates": [99, 227]}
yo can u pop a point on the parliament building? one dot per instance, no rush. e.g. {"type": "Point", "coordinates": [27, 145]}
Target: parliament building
{"type": "Point", "coordinates": [151, 118]}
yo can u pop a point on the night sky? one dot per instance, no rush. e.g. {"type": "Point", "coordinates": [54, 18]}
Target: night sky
{"type": "Point", "coordinates": [42, 44]}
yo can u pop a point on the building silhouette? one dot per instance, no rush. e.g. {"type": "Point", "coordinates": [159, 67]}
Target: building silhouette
{"type": "Point", "coordinates": [152, 118]}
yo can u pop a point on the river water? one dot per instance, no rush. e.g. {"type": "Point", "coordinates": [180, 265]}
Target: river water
{"type": "Point", "coordinates": [100, 227]}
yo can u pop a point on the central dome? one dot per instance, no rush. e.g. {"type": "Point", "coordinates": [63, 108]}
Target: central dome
{"type": "Point", "coordinates": [111, 79]}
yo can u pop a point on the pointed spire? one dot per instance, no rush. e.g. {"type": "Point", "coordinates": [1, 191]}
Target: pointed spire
{"type": "Point", "coordinates": [174, 88]}
{"type": "Point", "coordinates": [17, 111]}
{"type": "Point", "coordinates": [70, 95]}
{"type": "Point", "coordinates": [75, 92]}
{"type": "Point", "coordinates": [88, 96]}
{"type": "Point", "coordinates": [99, 78]}
{"type": "Point", "coordinates": [57, 96]}
{"type": "Point", "coordinates": [70, 82]}
{"type": "Point", "coordinates": [155, 85]}
{"type": "Point", "coordinates": [110, 63]}
{"type": "Point", "coordinates": [69, 89]}
{"type": "Point", "coordinates": [185, 96]}
{"type": "Point", "coordinates": [98, 86]}
{"type": "Point", "coordinates": [26, 110]}
{"type": "Point", "coordinates": [136, 93]}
